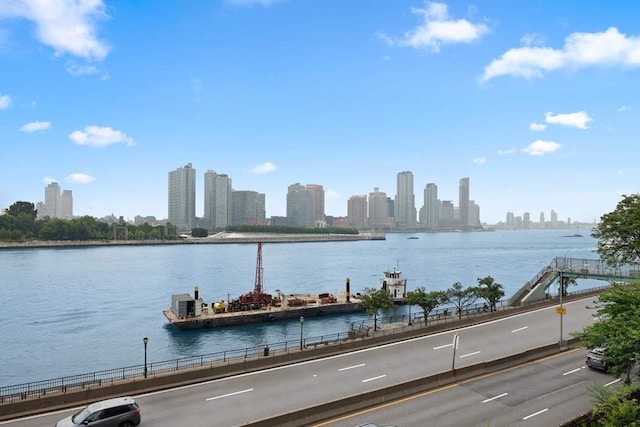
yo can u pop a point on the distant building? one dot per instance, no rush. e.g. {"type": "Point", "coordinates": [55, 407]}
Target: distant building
{"type": "Point", "coordinates": [218, 204]}
{"type": "Point", "coordinates": [57, 203]}
{"type": "Point", "coordinates": [316, 193]}
{"type": "Point", "coordinates": [182, 197]}
{"type": "Point", "coordinates": [474, 215]}
{"type": "Point", "coordinates": [405, 202]}
{"type": "Point", "coordinates": [52, 204]}
{"type": "Point", "coordinates": [430, 209]}
{"type": "Point", "coordinates": [446, 217]}
{"type": "Point", "coordinates": [357, 212]}
{"type": "Point", "coordinates": [66, 205]}
{"type": "Point", "coordinates": [299, 206]}
{"type": "Point", "coordinates": [248, 208]}
{"type": "Point", "coordinates": [379, 217]}
{"type": "Point", "coordinates": [526, 220]}
{"type": "Point", "coordinates": [463, 203]}
{"type": "Point", "coordinates": [554, 219]}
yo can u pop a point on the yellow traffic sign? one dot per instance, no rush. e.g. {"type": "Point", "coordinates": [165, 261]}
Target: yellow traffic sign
{"type": "Point", "coordinates": [561, 311]}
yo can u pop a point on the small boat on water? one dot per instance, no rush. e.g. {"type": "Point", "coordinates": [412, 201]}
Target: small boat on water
{"type": "Point", "coordinates": [191, 312]}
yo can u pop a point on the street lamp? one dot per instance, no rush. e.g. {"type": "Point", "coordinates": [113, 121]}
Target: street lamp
{"type": "Point", "coordinates": [145, 340]}
{"type": "Point", "coordinates": [301, 325]}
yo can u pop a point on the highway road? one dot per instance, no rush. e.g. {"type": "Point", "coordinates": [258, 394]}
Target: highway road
{"type": "Point", "coordinates": [241, 399]}
{"type": "Point", "coordinates": [542, 393]}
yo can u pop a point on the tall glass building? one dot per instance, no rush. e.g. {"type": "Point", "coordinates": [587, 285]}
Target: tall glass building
{"type": "Point", "coordinates": [182, 197]}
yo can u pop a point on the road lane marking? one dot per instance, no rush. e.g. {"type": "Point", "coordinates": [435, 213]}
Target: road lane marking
{"type": "Point", "coordinates": [537, 413]}
{"type": "Point", "coordinates": [612, 382]}
{"type": "Point", "coordinates": [351, 367]}
{"type": "Point", "coordinates": [470, 354]}
{"type": "Point", "coordinates": [571, 372]}
{"type": "Point", "coordinates": [519, 329]}
{"type": "Point", "coordinates": [494, 397]}
{"type": "Point", "coordinates": [230, 394]}
{"type": "Point", "coordinates": [443, 388]}
{"type": "Point", "coordinates": [443, 346]}
{"type": "Point", "coordinates": [374, 378]}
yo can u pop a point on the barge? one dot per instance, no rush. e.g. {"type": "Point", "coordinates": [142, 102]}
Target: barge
{"type": "Point", "coordinates": [191, 312]}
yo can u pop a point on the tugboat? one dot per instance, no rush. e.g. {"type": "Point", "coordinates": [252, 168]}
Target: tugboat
{"type": "Point", "coordinates": [395, 284]}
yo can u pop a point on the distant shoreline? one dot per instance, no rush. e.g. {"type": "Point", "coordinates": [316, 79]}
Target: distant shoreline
{"type": "Point", "coordinates": [218, 238]}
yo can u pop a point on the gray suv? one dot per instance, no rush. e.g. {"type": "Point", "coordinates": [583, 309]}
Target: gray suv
{"type": "Point", "coordinates": [596, 359]}
{"type": "Point", "coordinates": [118, 412]}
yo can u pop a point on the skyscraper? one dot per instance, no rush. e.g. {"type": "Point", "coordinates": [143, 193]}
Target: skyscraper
{"type": "Point", "coordinates": [52, 203]}
{"type": "Point", "coordinates": [357, 211]}
{"type": "Point", "coordinates": [66, 205]}
{"type": "Point", "coordinates": [299, 206]}
{"type": "Point", "coordinates": [316, 193]}
{"type": "Point", "coordinates": [182, 197]}
{"type": "Point", "coordinates": [430, 219]}
{"type": "Point", "coordinates": [379, 217]}
{"type": "Point", "coordinates": [405, 203]}
{"type": "Point", "coordinates": [248, 208]}
{"type": "Point", "coordinates": [217, 200]}
{"type": "Point", "coordinates": [463, 203]}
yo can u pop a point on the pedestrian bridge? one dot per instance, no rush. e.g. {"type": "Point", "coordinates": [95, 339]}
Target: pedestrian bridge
{"type": "Point", "coordinates": [573, 268]}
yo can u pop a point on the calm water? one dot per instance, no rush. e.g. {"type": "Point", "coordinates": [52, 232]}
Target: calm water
{"type": "Point", "coordinates": [76, 310]}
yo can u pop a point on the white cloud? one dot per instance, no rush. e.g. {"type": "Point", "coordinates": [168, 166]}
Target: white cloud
{"type": "Point", "coordinates": [480, 160]}
{"type": "Point", "coordinates": [98, 136]}
{"type": "Point", "coordinates": [507, 151]}
{"type": "Point", "coordinates": [262, 169]}
{"type": "Point", "coordinates": [35, 126]}
{"type": "Point", "coordinates": [46, 180]}
{"type": "Point", "coordinates": [5, 101]}
{"type": "Point", "coordinates": [437, 29]}
{"type": "Point", "coordinates": [532, 39]}
{"type": "Point", "coordinates": [623, 108]}
{"type": "Point", "coordinates": [607, 48]}
{"type": "Point", "coordinates": [578, 120]}
{"type": "Point", "coordinates": [79, 178]}
{"type": "Point", "coordinates": [539, 148]}
{"type": "Point", "coordinates": [537, 127]}
{"type": "Point", "coordinates": [81, 69]}
{"type": "Point", "coordinates": [69, 27]}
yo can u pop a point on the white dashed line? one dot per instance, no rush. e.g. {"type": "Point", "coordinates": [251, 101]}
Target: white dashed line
{"type": "Point", "coordinates": [230, 394]}
{"type": "Point", "coordinates": [519, 329]}
{"type": "Point", "coordinates": [495, 397]}
{"type": "Point", "coordinates": [374, 378]}
{"type": "Point", "coordinates": [537, 413]}
{"type": "Point", "coordinates": [469, 354]}
{"type": "Point", "coordinates": [351, 367]}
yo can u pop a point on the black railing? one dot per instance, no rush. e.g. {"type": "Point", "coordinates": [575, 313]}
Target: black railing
{"type": "Point", "coordinates": [37, 389]}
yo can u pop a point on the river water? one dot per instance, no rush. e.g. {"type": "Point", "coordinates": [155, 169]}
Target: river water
{"type": "Point", "coordinates": [68, 311]}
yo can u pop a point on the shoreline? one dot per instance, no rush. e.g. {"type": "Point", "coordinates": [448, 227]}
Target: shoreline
{"type": "Point", "coordinates": [218, 238]}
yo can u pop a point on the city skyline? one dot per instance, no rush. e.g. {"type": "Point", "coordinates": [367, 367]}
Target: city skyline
{"type": "Point", "coordinates": [527, 102]}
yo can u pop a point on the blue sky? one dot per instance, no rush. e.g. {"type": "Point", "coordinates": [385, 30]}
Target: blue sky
{"type": "Point", "coordinates": [535, 102]}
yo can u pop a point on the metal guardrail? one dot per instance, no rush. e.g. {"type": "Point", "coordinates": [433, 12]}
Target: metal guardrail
{"type": "Point", "coordinates": [37, 389]}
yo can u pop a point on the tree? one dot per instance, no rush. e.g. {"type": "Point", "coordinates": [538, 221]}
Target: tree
{"type": "Point", "coordinates": [460, 297]}
{"type": "Point", "coordinates": [618, 232]}
{"type": "Point", "coordinates": [617, 328]}
{"type": "Point", "coordinates": [374, 300]}
{"type": "Point", "coordinates": [427, 301]}
{"type": "Point", "coordinates": [23, 208]}
{"type": "Point", "coordinates": [490, 291]}
{"type": "Point", "coordinates": [615, 407]}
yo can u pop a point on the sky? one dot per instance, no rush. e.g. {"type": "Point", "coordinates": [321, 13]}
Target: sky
{"type": "Point", "coordinates": [536, 102]}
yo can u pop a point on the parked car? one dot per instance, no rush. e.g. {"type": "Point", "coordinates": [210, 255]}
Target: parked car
{"type": "Point", "coordinates": [118, 412]}
{"type": "Point", "coordinates": [596, 358]}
